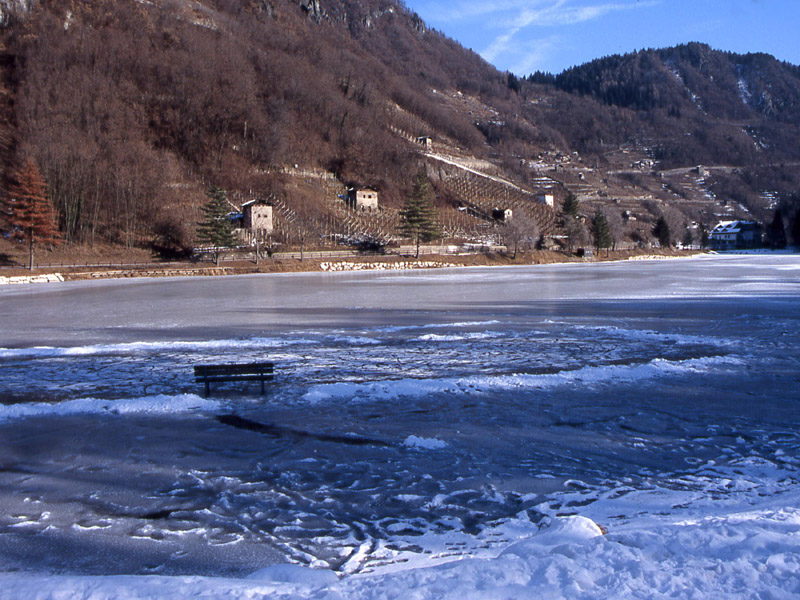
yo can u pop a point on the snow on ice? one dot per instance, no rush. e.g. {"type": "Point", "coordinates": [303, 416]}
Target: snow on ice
{"type": "Point", "coordinates": [542, 432]}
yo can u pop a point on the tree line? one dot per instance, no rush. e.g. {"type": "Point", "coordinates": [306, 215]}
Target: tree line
{"type": "Point", "coordinates": [130, 111]}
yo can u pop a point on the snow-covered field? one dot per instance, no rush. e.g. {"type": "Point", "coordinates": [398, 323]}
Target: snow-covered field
{"type": "Point", "coordinates": [579, 431]}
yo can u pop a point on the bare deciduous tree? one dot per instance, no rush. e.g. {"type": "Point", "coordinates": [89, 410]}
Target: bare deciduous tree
{"type": "Point", "coordinates": [616, 226]}
{"type": "Point", "coordinates": [520, 232]}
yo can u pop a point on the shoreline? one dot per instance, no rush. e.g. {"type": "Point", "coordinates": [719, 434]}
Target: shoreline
{"type": "Point", "coordinates": [51, 274]}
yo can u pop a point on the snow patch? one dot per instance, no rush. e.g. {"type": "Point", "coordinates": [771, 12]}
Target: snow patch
{"type": "Point", "coordinates": [563, 530]}
{"type": "Point", "coordinates": [288, 573]}
{"type": "Point", "coordinates": [744, 91]}
{"type": "Point", "coordinates": [570, 559]}
{"type": "Point", "coordinates": [134, 348]}
{"type": "Point", "coordinates": [148, 405]}
{"type": "Point", "coordinates": [600, 375]}
{"type": "Point", "coordinates": [649, 335]}
{"type": "Point", "coordinates": [435, 337]}
{"type": "Point", "coordinates": [414, 441]}
{"type": "Point", "coordinates": [457, 325]}
{"type": "Point", "coordinates": [22, 279]}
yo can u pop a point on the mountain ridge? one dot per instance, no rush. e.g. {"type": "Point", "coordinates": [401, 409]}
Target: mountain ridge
{"type": "Point", "coordinates": [131, 108]}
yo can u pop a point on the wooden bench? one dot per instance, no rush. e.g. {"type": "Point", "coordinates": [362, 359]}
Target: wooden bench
{"type": "Point", "coordinates": [209, 374]}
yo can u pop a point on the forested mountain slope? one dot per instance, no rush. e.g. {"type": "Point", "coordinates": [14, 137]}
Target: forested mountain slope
{"type": "Point", "coordinates": [132, 108]}
{"type": "Point", "coordinates": [709, 88]}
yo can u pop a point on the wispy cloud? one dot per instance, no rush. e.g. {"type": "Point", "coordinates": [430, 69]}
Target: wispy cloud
{"type": "Point", "coordinates": [532, 55]}
{"type": "Point", "coordinates": [544, 13]}
{"type": "Point", "coordinates": [563, 12]}
{"type": "Point", "coordinates": [468, 9]}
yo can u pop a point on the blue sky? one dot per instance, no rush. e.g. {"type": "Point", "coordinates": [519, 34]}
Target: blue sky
{"type": "Point", "coordinates": [523, 36]}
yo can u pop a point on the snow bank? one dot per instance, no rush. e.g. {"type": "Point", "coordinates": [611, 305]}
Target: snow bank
{"type": "Point", "coordinates": [22, 279]}
{"type": "Point", "coordinates": [414, 441]}
{"type": "Point", "coordinates": [647, 335]}
{"type": "Point", "coordinates": [656, 257]}
{"type": "Point", "coordinates": [601, 375]}
{"type": "Point", "coordinates": [456, 325]}
{"type": "Point", "coordinates": [457, 337]}
{"type": "Point", "coordinates": [151, 405]}
{"type": "Point", "coordinates": [132, 348]}
{"type": "Point", "coordinates": [384, 266]}
{"type": "Point", "coordinates": [738, 555]}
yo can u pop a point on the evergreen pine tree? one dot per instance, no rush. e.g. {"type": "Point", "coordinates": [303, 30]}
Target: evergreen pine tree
{"type": "Point", "coordinates": [573, 228]}
{"type": "Point", "coordinates": [571, 206]}
{"type": "Point", "coordinates": [216, 228]}
{"type": "Point", "coordinates": [688, 238]}
{"type": "Point", "coordinates": [418, 217]}
{"type": "Point", "coordinates": [602, 232]}
{"type": "Point", "coordinates": [790, 207]}
{"type": "Point", "coordinates": [662, 232]}
{"type": "Point", "coordinates": [777, 231]}
{"type": "Point", "coordinates": [30, 212]}
{"type": "Point", "coordinates": [703, 236]}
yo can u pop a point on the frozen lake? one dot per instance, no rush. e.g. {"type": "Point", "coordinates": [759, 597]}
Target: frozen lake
{"type": "Point", "coordinates": [417, 417]}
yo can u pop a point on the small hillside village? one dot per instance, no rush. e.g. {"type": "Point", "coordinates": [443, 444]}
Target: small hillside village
{"type": "Point", "coordinates": [474, 207]}
{"type": "Point", "coordinates": [622, 200]}
{"type": "Point", "coordinates": [315, 129]}
{"type": "Point", "coordinates": [482, 202]}
{"type": "Point", "coordinates": [255, 224]}
{"type": "Point", "coordinates": [477, 207]}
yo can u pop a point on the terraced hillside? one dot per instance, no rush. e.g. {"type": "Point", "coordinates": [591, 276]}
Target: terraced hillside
{"type": "Point", "coordinates": [132, 109]}
{"type": "Point", "coordinates": [478, 194]}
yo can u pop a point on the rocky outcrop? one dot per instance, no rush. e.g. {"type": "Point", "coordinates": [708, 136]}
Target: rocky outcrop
{"type": "Point", "coordinates": [10, 8]}
{"type": "Point", "coordinates": [384, 266]}
{"type": "Point", "coordinates": [314, 9]}
{"type": "Point", "coordinates": [23, 279]}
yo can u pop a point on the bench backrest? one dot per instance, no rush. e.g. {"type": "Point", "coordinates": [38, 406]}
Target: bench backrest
{"type": "Point", "coordinates": [233, 369]}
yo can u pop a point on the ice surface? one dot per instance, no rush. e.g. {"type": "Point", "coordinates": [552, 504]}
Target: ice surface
{"type": "Point", "coordinates": [610, 430]}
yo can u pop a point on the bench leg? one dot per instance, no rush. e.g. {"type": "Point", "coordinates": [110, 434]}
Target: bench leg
{"type": "Point", "coordinates": [262, 386]}
{"type": "Point", "coordinates": [208, 388]}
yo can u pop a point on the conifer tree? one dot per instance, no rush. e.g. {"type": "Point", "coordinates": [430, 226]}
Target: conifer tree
{"type": "Point", "coordinates": [571, 206]}
{"type": "Point", "coordinates": [703, 236]}
{"type": "Point", "coordinates": [418, 217]}
{"type": "Point", "coordinates": [688, 238]}
{"type": "Point", "coordinates": [30, 212]}
{"type": "Point", "coordinates": [602, 232]}
{"type": "Point", "coordinates": [777, 231]}
{"type": "Point", "coordinates": [662, 232]}
{"type": "Point", "coordinates": [573, 227]}
{"type": "Point", "coordinates": [216, 229]}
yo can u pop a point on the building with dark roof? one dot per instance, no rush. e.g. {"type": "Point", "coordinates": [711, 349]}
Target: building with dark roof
{"type": "Point", "coordinates": [735, 235]}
